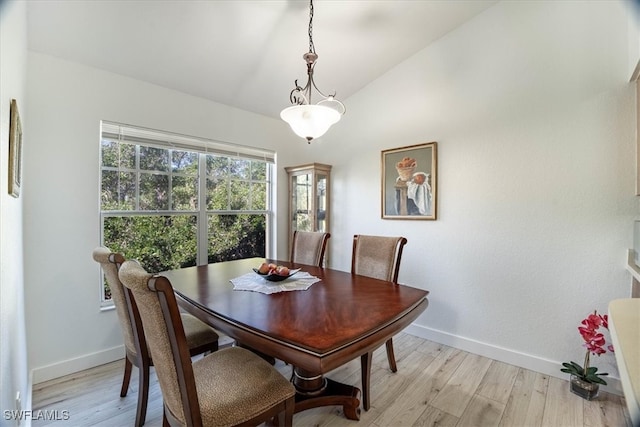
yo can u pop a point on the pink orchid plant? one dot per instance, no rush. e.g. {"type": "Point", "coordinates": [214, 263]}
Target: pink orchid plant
{"type": "Point", "coordinates": [595, 343]}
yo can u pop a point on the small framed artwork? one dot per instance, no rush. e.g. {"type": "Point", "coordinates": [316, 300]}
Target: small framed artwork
{"type": "Point", "coordinates": [409, 182]}
{"type": "Point", "coordinates": [15, 150]}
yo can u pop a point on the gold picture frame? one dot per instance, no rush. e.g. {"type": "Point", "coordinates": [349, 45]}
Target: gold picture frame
{"type": "Point", "coordinates": [15, 150]}
{"type": "Point", "coordinates": [409, 182]}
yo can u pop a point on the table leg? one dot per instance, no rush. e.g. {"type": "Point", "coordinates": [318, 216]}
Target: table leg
{"type": "Point", "coordinates": [313, 390]}
{"type": "Point", "coordinates": [365, 367]}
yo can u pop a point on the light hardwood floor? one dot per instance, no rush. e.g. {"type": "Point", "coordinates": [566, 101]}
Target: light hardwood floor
{"type": "Point", "coordinates": [434, 385]}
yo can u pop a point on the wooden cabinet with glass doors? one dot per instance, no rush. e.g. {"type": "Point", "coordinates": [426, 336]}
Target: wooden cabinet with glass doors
{"type": "Point", "coordinates": [309, 197]}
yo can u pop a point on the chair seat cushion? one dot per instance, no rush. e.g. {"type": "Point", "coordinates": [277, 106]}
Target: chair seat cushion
{"type": "Point", "coordinates": [197, 332]}
{"type": "Point", "coordinates": [234, 385]}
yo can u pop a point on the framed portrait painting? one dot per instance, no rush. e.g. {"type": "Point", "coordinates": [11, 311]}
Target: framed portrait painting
{"type": "Point", "coordinates": [409, 182]}
{"type": "Point", "coordinates": [15, 150]}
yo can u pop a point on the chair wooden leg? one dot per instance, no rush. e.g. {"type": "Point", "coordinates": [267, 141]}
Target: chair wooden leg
{"type": "Point", "coordinates": [365, 368]}
{"type": "Point", "coordinates": [126, 378]}
{"type": "Point", "coordinates": [289, 407]}
{"type": "Point", "coordinates": [143, 393]}
{"type": "Point", "coordinates": [390, 356]}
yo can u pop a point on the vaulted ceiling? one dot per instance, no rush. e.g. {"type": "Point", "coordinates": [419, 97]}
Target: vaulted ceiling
{"type": "Point", "coordinates": [243, 53]}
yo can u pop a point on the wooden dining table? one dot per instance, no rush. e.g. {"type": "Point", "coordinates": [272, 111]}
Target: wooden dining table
{"type": "Point", "coordinates": [342, 317]}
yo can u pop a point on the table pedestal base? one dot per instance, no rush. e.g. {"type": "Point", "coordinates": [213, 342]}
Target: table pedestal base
{"type": "Point", "coordinates": [315, 391]}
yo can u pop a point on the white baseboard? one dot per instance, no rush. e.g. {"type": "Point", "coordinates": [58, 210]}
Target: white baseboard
{"type": "Point", "coordinates": [27, 404]}
{"type": "Point", "coordinates": [71, 366]}
{"type": "Point", "coordinates": [522, 360]}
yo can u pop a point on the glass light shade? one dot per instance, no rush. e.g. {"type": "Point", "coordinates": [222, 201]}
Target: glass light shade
{"type": "Point", "coordinates": [310, 121]}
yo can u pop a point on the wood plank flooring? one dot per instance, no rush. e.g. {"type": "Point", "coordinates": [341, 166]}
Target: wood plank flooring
{"type": "Point", "coordinates": [435, 385]}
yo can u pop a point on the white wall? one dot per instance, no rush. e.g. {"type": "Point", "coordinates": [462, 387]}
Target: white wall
{"type": "Point", "coordinates": [13, 352]}
{"type": "Point", "coordinates": [67, 331]}
{"type": "Point", "coordinates": [535, 122]}
{"type": "Point", "coordinates": [633, 20]}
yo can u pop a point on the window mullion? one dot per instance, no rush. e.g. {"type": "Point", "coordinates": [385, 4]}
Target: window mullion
{"type": "Point", "coordinates": [203, 242]}
{"type": "Point", "coordinates": [270, 248]}
{"type": "Point", "coordinates": [170, 180]}
{"type": "Point", "coordinates": [138, 178]}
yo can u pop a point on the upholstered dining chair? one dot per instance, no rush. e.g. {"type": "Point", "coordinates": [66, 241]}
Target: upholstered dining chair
{"type": "Point", "coordinates": [232, 386]}
{"type": "Point", "coordinates": [378, 257]}
{"type": "Point", "coordinates": [308, 247]}
{"type": "Point", "coordinates": [201, 338]}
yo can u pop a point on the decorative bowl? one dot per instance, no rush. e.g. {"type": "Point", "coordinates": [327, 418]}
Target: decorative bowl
{"type": "Point", "coordinates": [276, 277]}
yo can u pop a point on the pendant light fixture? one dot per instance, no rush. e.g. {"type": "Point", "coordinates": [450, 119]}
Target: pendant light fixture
{"type": "Point", "coordinates": [309, 120]}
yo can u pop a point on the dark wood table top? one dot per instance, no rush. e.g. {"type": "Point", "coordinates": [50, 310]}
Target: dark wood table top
{"type": "Point", "coordinates": [341, 310]}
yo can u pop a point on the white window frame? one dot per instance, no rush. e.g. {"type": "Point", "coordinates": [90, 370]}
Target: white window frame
{"type": "Point", "coordinates": [168, 140]}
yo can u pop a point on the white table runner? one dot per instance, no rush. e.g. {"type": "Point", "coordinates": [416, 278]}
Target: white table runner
{"type": "Point", "coordinates": [301, 281]}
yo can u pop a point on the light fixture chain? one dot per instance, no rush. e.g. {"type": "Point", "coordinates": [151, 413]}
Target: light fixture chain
{"type": "Point", "coordinates": [312, 48]}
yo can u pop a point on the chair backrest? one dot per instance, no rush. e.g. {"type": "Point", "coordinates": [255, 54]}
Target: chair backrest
{"type": "Point", "coordinates": [110, 262]}
{"type": "Point", "coordinates": [308, 247]}
{"type": "Point", "coordinates": [377, 256]}
{"type": "Point", "coordinates": [166, 340]}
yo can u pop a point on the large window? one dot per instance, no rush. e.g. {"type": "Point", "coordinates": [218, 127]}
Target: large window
{"type": "Point", "coordinates": [173, 201]}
